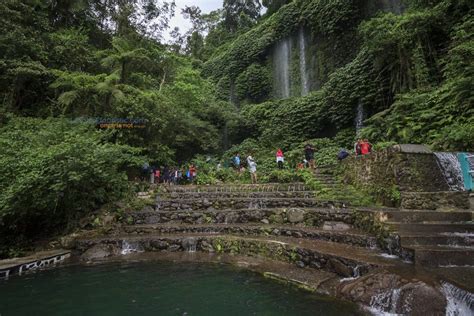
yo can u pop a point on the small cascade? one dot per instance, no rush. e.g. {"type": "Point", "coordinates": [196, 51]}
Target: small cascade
{"type": "Point", "coordinates": [130, 247]}
{"type": "Point", "coordinates": [385, 302]}
{"type": "Point", "coordinates": [359, 118]}
{"type": "Point", "coordinates": [281, 68]}
{"type": "Point", "coordinates": [189, 244]}
{"type": "Point", "coordinates": [451, 168]}
{"type": "Point", "coordinates": [460, 302]}
{"type": "Point", "coordinates": [305, 87]}
{"type": "Point", "coordinates": [393, 6]}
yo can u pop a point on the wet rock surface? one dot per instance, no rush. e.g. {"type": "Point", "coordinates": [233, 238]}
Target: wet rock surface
{"type": "Point", "coordinates": [100, 251]}
{"type": "Point", "coordinates": [391, 293]}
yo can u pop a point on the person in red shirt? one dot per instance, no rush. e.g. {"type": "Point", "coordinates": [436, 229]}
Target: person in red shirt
{"type": "Point", "coordinates": [280, 158]}
{"type": "Point", "coordinates": [365, 147]}
{"type": "Point", "coordinates": [157, 175]}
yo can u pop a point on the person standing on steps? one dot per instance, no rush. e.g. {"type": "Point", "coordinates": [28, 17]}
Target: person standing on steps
{"type": "Point", "coordinates": [192, 173]}
{"type": "Point", "coordinates": [309, 154]}
{"type": "Point", "coordinates": [157, 175]}
{"type": "Point", "coordinates": [357, 148]}
{"type": "Point", "coordinates": [145, 171]}
{"type": "Point", "coordinates": [280, 159]}
{"type": "Point", "coordinates": [365, 147]}
{"type": "Point", "coordinates": [236, 162]}
{"type": "Point", "coordinates": [252, 165]}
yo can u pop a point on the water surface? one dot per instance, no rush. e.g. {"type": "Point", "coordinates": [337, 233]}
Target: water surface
{"type": "Point", "coordinates": [158, 288]}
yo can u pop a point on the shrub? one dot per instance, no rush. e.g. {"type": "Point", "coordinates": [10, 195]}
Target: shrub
{"type": "Point", "coordinates": [54, 171]}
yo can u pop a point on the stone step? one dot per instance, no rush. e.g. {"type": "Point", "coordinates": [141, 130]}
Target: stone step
{"type": "Point", "coordinates": [350, 236]}
{"type": "Point", "coordinates": [236, 194]}
{"type": "Point", "coordinates": [420, 216]}
{"type": "Point", "coordinates": [440, 239]}
{"type": "Point", "coordinates": [345, 260]}
{"type": "Point", "coordinates": [295, 186]}
{"type": "Point", "coordinates": [432, 227]}
{"type": "Point", "coordinates": [306, 216]}
{"type": "Point", "coordinates": [240, 203]}
{"type": "Point", "coordinates": [435, 256]}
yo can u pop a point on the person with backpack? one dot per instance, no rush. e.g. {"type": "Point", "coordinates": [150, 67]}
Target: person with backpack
{"type": "Point", "coordinates": [280, 158]}
{"type": "Point", "coordinates": [252, 165]}
{"type": "Point", "coordinates": [309, 155]}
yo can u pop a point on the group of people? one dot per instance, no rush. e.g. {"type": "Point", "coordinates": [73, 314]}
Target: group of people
{"type": "Point", "coordinates": [167, 175]}
{"type": "Point", "coordinates": [361, 147]}
{"type": "Point", "coordinates": [251, 164]}
{"type": "Point", "coordinates": [308, 162]}
{"type": "Point", "coordinates": [187, 175]}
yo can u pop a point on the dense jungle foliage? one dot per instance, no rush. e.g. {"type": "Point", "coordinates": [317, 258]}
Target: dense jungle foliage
{"type": "Point", "coordinates": [66, 65]}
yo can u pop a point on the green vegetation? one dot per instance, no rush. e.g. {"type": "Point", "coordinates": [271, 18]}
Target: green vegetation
{"type": "Point", "coordinates": [211, 91]}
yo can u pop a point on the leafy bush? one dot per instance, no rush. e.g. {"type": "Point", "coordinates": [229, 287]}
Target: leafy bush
{"type": "Point", "coordinates": [53, 172]}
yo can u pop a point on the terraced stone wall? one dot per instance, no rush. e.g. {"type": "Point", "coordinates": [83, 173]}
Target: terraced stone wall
{"type": "Point", "coordinates": [401, 168]}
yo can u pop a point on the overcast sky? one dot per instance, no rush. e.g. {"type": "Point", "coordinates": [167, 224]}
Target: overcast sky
{"type": "Point", "coordinates": [178, 20]}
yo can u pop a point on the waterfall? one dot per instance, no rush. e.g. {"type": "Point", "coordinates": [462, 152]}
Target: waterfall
{"type": "Point", "coordinates": [460, 302]}
{"type": "Point", "coordinates": [281, 68]}
{"type": "Point", "coordinates": [385, 302]}
{"type": "Point", "coordinates": [189, 244]}
{"type": "Point", "coordinates": [360, 117]}
{"type": "Point", "coordinates": [128, 248]}
{"type": "Point", "coordinates": [451, 168]}
{"type": "Point", "coordinates": [305, 88]}
{"type": "Point", "coordinates": [393, 6]}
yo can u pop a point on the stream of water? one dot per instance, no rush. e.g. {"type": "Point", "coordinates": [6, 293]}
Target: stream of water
{"type": "Point", "coordinates": [451, 168]}
{"type": "Point", "coordinates": [159, 288]}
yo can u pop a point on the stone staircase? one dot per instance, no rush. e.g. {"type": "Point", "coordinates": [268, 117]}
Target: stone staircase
{"type": "Point", "coordinates": [332, 186]}
{"type": "Point", "coordinates": [432, 238]}
{"type": "Point", "coordinates": [284, 222]}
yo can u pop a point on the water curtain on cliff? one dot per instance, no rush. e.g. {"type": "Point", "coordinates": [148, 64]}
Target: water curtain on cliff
{"type": "Point", "coordinates": [359, 118]}
{"type": "Point", "coordinates": [451, 169]}
{"type": "Point", "coordinates": [304, 71]}
{"type": "Point", "coordinates": [281, 68]}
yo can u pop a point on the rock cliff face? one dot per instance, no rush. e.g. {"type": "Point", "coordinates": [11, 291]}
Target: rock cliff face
{"type": "Point", "coordinates": [402, 168]}
{"type": "Point", "coordinates": [391, 293]}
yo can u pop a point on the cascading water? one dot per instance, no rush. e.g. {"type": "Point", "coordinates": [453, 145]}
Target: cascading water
{"type": "Point", "coordinates": [281, 68]}
{"type": "Point", "coordinates": [130, 247]}
{"type": "Point", "coordinates": [385, 302]}
{"type": "Point", "coordinates": [451, 169]}
{"type": "Point", "coordinates": [460, 302]}
{"type": "Point", "coordinates": [393, 6]}
{"type": "Point", "coordinates": [305, 87]}
{"type": "Point", "coordinates": [360, 117]}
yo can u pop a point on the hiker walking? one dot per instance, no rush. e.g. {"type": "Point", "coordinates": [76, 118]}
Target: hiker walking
{"type": "Point", "coordinates": [309, 155]}
{"type": "Point", "coordinates": [280, 158]}
{"type": "Point", "coordinates": [252, 165]}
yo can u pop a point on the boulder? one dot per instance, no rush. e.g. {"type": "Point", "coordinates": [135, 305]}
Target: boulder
{"type": "Point", "coordinates": [189, 243]}
{"type": "Point", "coordinates": [340, 268]}
{"type": "Point", "coordinates": [389, 293]}
{"type": "Point", "coordinates": [68, 241]}
{"type": "Point", "coordinates": [295, 215]}
{"type": "Point", "coordinates": [421, 299]}
{"type": "Point", "coordinates": [100, 251]}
